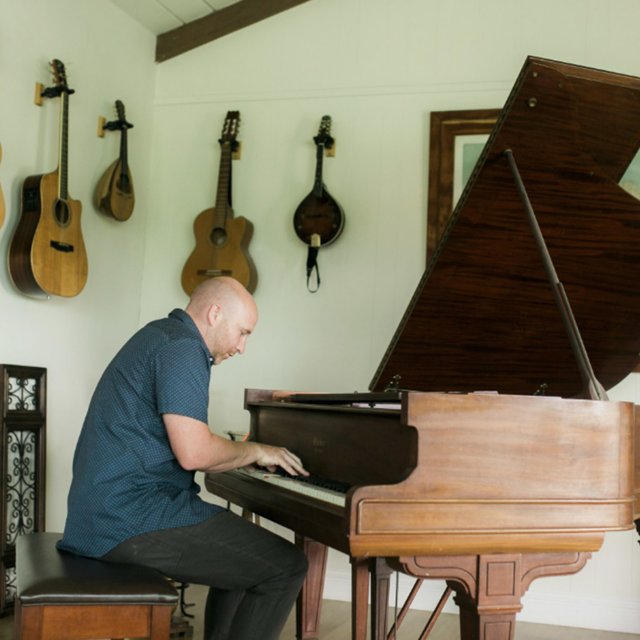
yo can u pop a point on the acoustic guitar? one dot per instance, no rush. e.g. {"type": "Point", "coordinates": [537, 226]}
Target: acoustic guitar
{"type": "Point", "coordinates": [1, 197]}
{"type": "Point", "coordinates": [319, 219]}
{"type": "Point", "coordinates": [47, 255]}
{"type": "Point", "coordinates": [221, 239]}
{"type": "Point", "coordinates": [114, 193]}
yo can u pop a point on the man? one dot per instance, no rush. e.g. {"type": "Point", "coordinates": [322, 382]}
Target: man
{"type": "Point", "coordinates": [133, 497]}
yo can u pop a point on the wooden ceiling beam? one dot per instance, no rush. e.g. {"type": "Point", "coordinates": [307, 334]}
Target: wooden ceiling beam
{"type": "Point", "coordinates": [219, 23]}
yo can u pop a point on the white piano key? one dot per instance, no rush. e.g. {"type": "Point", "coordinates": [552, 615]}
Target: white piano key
{"type": "Point", "coordinates": [297, 486]}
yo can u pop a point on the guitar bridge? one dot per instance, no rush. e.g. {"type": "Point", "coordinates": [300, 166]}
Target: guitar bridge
{"type": "Point", "coordinates": [64, 247]}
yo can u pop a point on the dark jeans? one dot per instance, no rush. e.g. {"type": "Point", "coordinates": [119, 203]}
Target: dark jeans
{"type": "Point", "coordinates": [254, 575]}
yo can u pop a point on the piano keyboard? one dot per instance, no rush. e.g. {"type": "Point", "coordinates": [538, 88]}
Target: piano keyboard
{"type": "Point", "coordinates": [302, 485]}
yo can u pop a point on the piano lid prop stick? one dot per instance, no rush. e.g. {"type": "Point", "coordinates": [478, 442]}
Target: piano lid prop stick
{"type": "Point", "coordinates": [596, 390]}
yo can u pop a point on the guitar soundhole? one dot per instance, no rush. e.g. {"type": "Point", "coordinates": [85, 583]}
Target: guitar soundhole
{"type": "Point", "coordinates": [61, 212]}
{"type": "Point", "coordinates": [218, 236]}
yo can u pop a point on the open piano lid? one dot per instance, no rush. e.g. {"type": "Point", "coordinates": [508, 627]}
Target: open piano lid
{"type": "Point", "coordinates": [483, 316]}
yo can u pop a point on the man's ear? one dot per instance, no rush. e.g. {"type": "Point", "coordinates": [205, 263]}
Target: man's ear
{"type": "Point", "coordinates": [214, 313]}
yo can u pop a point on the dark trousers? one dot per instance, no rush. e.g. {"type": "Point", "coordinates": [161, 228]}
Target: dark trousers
{"type": "Point", "coordinates": [253, 575]}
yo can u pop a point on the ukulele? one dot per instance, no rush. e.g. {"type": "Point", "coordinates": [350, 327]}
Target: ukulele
{"type": "Point", "coordinates": [47, 255]}
{"type": "Point", "coordinates": [319, 219]}
{"type": "Point", "coordinates": [114, 193]}
{"type": "Point", "coordinates": [221, 239]}
{"type": "Point", "coordinates": [1, 197]}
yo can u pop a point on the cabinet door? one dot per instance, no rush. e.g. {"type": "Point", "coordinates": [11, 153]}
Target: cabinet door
{"type": "Point", "coordinates": [22, 466]}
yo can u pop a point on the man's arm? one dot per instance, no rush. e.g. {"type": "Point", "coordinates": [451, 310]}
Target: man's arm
{"type": "Point", "coordinates": [197, 449]}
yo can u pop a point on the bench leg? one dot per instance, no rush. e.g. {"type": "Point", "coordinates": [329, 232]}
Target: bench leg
{"type": "Point", "coordinates": [160, 622]}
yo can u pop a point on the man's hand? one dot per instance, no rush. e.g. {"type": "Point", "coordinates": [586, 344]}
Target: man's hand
{"type": "Point", "coordinates": [271, 457]}
{"type": "Point", "coordinates": [197, 449]}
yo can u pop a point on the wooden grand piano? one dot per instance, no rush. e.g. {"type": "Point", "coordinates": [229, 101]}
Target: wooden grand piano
{"type": "Point", "coordinates": [498, 458]}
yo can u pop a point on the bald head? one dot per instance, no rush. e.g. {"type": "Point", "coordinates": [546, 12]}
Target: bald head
{"type": "Point", "coordinates": [225, 313]}
{"type": "Point", "coordinates": [223, 291]}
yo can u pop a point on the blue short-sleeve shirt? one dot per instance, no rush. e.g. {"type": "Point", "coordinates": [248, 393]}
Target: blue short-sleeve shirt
{"type": "Point", "coordinates": [126, 479]}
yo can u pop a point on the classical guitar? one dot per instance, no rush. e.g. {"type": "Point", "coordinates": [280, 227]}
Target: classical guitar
{"type": "Point", "coordinates": [47, 255]}
{"type": "Point", "coordinates": [114, 193]}
{"type": "Point", "coordinates": [1, 197]}
{"type": "Point", "coordinates": [221, 238]}
{"type": "Point", "coordinates": [319, 219]}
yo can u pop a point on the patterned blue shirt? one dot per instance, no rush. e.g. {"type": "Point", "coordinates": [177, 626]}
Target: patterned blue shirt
{"type": "Point", "coordinates": [126, 479]}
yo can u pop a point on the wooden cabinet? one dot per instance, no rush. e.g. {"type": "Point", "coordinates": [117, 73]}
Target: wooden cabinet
{"type": "Point", "coordinates": [22, 466]}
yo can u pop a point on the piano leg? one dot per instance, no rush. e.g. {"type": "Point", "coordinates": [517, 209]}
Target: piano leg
{"type": "Point", "coordinates": [359, 597]}
{"type": "Point", "coordinates": [489, 587]}
{"type": "Point", "coordinates": [380, 581]}
{"type": "Point", "coordinates": [309, 602]}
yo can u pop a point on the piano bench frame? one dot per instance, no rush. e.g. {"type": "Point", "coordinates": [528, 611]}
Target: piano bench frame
{"type": "Point", "coordinates": [64, 596]}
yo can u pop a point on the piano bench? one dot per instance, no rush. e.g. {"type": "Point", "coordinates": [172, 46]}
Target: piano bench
{"type": "Point", "coordinates": [61, 595]}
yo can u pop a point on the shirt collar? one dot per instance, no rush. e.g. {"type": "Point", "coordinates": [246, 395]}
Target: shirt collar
{"type": "Point", "coordinates": [182, 316]}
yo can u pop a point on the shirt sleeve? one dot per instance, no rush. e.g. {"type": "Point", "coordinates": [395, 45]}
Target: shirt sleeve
{"type": "Point", "coordinates": [182, 379]}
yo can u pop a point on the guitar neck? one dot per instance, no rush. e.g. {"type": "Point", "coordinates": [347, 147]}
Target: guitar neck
{"type": "Point", "coordinates": [317, 184]}
{"type": "Point", "coordinates": [223, 195]}
{"type": "Point", "coordinates": [63, 193]}
{"type": "Point", "coordinates": [124, 169]}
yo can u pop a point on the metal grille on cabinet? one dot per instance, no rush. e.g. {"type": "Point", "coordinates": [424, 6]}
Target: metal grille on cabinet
{"type": "Point", "coordinates": [22, 466]}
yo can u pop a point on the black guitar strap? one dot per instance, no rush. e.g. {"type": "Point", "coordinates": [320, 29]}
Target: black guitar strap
{"type": "Point", "coordinates": [312, 263]}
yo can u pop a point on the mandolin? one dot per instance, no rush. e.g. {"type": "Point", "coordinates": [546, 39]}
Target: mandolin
{"type": "Point", "coordinates": [319, 219]}
{"type": "Point", "coordinates": [1, 197]}
{"type": "Point", "coordinates": [221, 239]}
{"type": "Point", "coordinates": [114, 193]}
{"type": "Point", "coordinates": [47, 254]}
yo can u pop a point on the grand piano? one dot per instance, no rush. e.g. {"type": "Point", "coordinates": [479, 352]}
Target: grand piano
{"type": "Point", "coordinates": [486, 452]}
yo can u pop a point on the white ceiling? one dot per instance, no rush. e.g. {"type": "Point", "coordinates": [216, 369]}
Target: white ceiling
{"type": "Point", "coordinates": [160, 16]}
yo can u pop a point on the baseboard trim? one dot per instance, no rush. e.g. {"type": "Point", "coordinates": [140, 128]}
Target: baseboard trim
{"type": "Point", "coordinates": [601, 614]}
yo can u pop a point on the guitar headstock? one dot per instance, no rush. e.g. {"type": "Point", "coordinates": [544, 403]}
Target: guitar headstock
{"type": "Point", "coordinates": [230, 129]}
{"type": "Point", "coordinates": [121, 123]}
{"type": "Point", "coordinates": [60, 76]}
{"type": "Point", "coordinates": [120, 110]}
{"type": "Point", "coordinates": [324, 133]}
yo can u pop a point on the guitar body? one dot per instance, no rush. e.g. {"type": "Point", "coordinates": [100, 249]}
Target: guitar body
{"type": "Point", "coordinates": [47, 255]}
{"type": "Point", "coordinates": [318, 214]}
{"type": "Point", "coordinates": [114, 193]}
{"type": "Point", "coordinates": [220, 251]}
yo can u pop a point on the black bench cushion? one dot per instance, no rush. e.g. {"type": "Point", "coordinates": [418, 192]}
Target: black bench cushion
{"type": "Point", "coordinates": [46, 575]}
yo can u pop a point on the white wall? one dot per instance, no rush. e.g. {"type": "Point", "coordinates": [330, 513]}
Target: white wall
{"type": "Point", "coordinates": [378, 68]}
{"type": "Point", "coordinates": [107, 57]}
